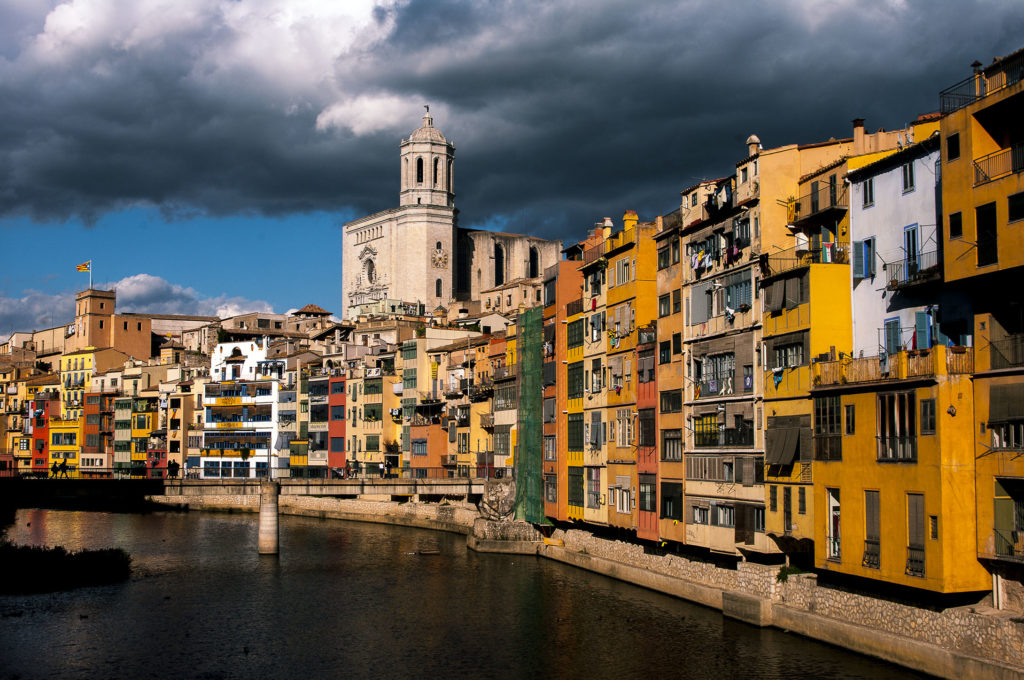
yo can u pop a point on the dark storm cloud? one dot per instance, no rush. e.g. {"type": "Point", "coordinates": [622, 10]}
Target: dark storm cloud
{"type": "Point", "coordinates": [562, 112]}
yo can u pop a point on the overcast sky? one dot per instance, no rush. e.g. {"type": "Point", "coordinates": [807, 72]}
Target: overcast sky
{"type": "Point", "coordinates": [204, 153]}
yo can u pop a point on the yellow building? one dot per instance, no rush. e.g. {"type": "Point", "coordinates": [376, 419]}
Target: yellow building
{"type": "Point", "coordinates": [65, 442]}
{"type": "Point", "coordinates": [76, 372]}
{"type": "Point", "coordinates": [894, 484]}
{"type": "Point", "coordinates": [983, 252]}
{"type": "Point", "coordinates": [578, 487]}
{"type": "Point", "coordinates": [144, 419]}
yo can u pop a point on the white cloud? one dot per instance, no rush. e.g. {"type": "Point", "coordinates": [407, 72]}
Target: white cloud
{"type": "Point", "coordinates": [35, 310]}
{"type": "Point", "coordinates": [371, 113]}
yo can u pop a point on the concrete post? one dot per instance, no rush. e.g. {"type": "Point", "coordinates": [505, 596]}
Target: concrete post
{"type": "Point", "coordinates": [268, 533]}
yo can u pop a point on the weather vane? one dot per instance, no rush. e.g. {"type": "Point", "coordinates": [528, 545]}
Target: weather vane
{"type": "Point", "coordinates": [427, 107]}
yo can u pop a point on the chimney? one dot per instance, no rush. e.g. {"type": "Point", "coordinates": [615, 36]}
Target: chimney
{"type": "Point", "coordinates": [753, 145]}
{"type": "Point", "coordinates": [629, 220]}
{"type": "Point", "coordinates": [858, 136]}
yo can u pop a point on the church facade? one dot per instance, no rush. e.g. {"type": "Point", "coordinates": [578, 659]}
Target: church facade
{"type": "Point", "coordinates": [416, 254]}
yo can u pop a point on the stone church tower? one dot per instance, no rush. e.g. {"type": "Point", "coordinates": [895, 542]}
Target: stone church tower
{"type": "Point", "coordinates": [415, 254]}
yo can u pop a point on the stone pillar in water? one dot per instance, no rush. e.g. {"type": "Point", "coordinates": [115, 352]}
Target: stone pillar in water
{"type": "Point", "coordinates": [267, 542]}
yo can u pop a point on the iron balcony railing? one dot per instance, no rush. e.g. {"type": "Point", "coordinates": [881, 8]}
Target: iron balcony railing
{"type": "Point", "coordinates": [834, 548]}
{"type": "Point", "coordinates": [802, 256]}
{"type": "Point", "coordinates": [915, 561]}
{"type": "Point", "coordinates": [717, 387]}
{"type": "Point", "coordinates": [872, 553]}
{"type": "Point", "coordinates": [897, 449]}
{"type": "Point", "coordinates": [1009, 544]}
{"type": "Point", "coordinates": [1008, 352]}
{"type": "Point", "coordinates": [826, 197]}
{"type": "Point", "coordinates": [913, 270]}
{"type": "Point", "coordinates": [574, 307]}
{"type": "Point", "coordinates": [730, 436]}
{"type": "Point", "coordinates": [487, 420]}
{"type": "Point", "coordinates": [979, 85]}
{"type": "Point", "coordinates": [999, 164]}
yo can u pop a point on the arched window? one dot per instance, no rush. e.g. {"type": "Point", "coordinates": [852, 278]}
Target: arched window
{"type": "Point", "coordinates": [437, 162]}
{"type": "Point", "coordinates": [499, 264]}
{"type": "Point", "coordinates": [449, 177]}
{"type": "Point", "coordinates": [419, 171]}
{"type": "Point", "coordinates": [437, 288]}
{"type": "Point", "coordinates": [437, 246]}
{"type": "Point", "coordinates": [533, 270]}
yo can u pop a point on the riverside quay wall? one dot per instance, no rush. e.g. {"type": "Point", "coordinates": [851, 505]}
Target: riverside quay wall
{"type": "Point", "coordinates": [961, 642]}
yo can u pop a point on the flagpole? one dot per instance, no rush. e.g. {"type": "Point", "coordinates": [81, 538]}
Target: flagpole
{"type": "Point", "coordinates": [90, 274]}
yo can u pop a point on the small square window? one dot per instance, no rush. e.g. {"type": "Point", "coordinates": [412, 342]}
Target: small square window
{"type": "Point", "coordinates": [927, 416]}
{"type": "Point", "coordinates": [869, 191]}
{"type": "Point", "coordinates": [1015, 207]}
{"type": "Point", "coordinates": [908, 177]}
{"type": "Point", "coordinates": [953, 147]}
{"type": "Point", "coordinates": [956, 225]}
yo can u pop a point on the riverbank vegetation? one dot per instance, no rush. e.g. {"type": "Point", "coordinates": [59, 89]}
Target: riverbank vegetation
{"type": "Point", "coordinates": [36, 569]}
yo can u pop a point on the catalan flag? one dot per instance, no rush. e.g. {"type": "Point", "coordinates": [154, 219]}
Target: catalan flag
{"type": "Point", "coordinates": [85, 267]}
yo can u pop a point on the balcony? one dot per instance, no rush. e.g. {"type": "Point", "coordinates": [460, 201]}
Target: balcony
{"type": "Point", "coordinates": [828, 447]}
{"type": "Point", "coordinates": [872, 554]}
{"type": "Point", "coordinates": [1008, 352]}
{"type": "Point", "coordinates": [503, 372]}
{"type": "Point", "coordinates": [915, 561]}
{"type": "Point", "coordinates": [921, 363]}
{"type": "Point", "coordinates": [912, 271]}
{"type": "Point", "coordinates": [827, 197]}
{"type": "Point", "coordinates": [450, 459]}
{"type": "Point", "coordinates": [729, 436]}
{"type": "Point", "coordinates": [980, 85]}
{"type": "Point", "coordinates": [1009, 544]}
{"type": "Point", "coordinates": [999, 164]}
{"type": "Point", "coordinates": [574, 307]}
{"type": "Point", "coordinates": [897, 449]}
{"type": "Point", "coordinates": [487, 421]}
{"type": "Point", "coordinates": [803, 256]}
{"type": "Point", "coordinates": [717, 387]}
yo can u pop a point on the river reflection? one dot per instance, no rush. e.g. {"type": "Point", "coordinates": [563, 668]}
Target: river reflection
{"type": "Point", "coordinates": [354, 600]}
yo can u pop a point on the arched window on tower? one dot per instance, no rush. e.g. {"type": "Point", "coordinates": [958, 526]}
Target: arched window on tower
{"type": "Point", "coordinates": [419, 171]}
{"type": "Point", "coordinates": [437, 288]}
{"type": "Point", "coordinates": [436, 165]}
{"type": "Point", "coordinates": [499, 264]}
{"type": "Point", "coordinates": [449, 176]}
{"type": "Point", "coordinates": [533, 271]}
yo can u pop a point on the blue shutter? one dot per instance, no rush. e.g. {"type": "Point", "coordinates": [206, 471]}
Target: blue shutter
{"type": "Point", "coordinates": [858, 259]}
{"type": "Point", "coordinates": [922, 328]}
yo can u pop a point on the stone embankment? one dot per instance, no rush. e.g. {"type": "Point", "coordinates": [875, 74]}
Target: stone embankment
{"type": "Point", "coordinates": [964, 642]}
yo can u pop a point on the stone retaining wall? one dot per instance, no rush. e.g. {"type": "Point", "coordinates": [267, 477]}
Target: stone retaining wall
{"type": "Point", "coordinates": [995, 636]}
{"type": "Point", "coordinates": [456, 517]}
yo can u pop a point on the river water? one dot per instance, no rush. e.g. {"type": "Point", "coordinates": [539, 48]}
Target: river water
{"type": "Point", "coordinates": [353, 600]}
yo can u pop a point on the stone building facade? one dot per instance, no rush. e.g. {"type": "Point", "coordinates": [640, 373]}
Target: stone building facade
{"type": "Point", "coordinates": [416, 253]}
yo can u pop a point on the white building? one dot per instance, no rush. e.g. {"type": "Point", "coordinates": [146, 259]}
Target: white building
{"type": "Point", "coordinates": [417, 254]}
{"type": "Point", "coordinates": [240, 415]}
{"type": "Point", "coordinates": [898, 298]}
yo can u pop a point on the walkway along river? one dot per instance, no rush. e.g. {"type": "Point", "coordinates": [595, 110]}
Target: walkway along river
{"type": "Point", "coordinates": [358, 600]}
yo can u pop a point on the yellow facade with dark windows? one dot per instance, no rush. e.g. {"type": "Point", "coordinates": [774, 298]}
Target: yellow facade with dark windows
{"type": "Point", "coordinates": [893, 469]}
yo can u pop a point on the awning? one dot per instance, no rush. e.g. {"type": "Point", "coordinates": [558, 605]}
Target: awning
{"type": "Point", "coordinates": [1006, 402]}
{"type": "Point", "coordinates": [781, 445]}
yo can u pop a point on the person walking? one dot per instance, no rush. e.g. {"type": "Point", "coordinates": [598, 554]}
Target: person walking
{"type": "Point", "coordinates": [54, 469]}
{"type": "Point", "coordinates": [63, 467]}
{"type": "Point", "coordinates": [381, 470]}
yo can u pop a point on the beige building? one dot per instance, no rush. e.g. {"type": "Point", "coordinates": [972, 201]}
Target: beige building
{"type": "Point", "coordinates": [417, 254]}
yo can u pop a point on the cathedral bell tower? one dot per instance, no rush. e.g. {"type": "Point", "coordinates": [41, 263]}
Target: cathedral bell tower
{"type": "Point", "coordinates": [427, 159]}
